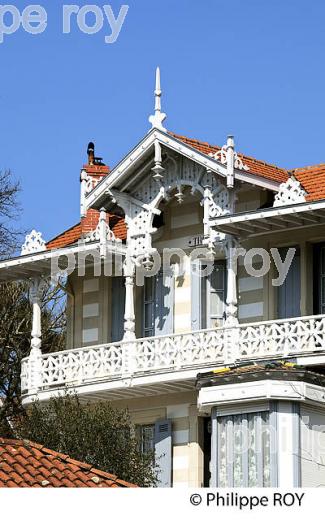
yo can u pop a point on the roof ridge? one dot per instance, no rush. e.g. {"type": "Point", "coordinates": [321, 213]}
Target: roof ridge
{"type": "Point", "coordinates": [303, 168]}
{"type": "Point", "coordinates": [198, 141]}
{"type": "Point", "coordinates": [63, 232]}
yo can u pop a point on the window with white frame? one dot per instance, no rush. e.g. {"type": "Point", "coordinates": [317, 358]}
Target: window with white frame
{"type": "Point", "coordinates": [209, 295]}
{"type": "Point", "coordinates": [245, 450]}
{"type": "Point", "coordinates": [216, 290]}
{"type": "Point", "coordinates": [158, 303]}
{"type": "Point", "coordinates": [146, 434]}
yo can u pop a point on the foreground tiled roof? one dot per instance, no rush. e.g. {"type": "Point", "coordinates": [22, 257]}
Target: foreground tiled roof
{"type": "Point", "coordinates": [27, 464]}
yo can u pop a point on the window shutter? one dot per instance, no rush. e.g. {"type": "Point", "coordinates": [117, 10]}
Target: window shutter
{"type": "Point", "coordinates": [117, 306]}
{"type": "Point", "coordinates": [217, 296]}
{"type": "Point", "coordinates": [289, 291]}
{"type": "Point", "coordinates": [164, 311]}
{"type": "Point", "coordinates": [196, 296]}
{"type": "Point", "coordinates": [163, 452]}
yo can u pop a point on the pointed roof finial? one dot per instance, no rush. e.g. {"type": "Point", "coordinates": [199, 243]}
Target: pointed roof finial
{"type": "Point", "coordinates": [159, 117]}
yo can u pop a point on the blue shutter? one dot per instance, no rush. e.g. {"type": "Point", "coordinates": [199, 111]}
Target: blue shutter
{"type": "Point", "coordinates": [163, 452]}
{"type": "Point", "coordinates": [117, 308]}
{"type": "Point", "coordinates": [164, 308]}
{"type": "Point", "coordinates": [289, 291]}
{"type": "Point", "coordinates": [217, 284]}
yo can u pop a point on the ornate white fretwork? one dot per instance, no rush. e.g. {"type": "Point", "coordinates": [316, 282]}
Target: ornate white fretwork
{"type": "Point", "coordinates": [232, 307]}
{"type": "Point", "coordinates": [179, 174]}
{"type": "Point", "coordinates": [95, 235]}
{"type": "Point", "coordinates": [129, 313]}
{"type": "Point", "coordinates": [33, 372]}
{"type": "Point", "coordinates": [87, 184]}
{"type": "Point", "coordinates": [290, 192]}
{"type": "Point", "coordinates": [158, 170]}
{"type": "Point", "coordinates": [102, 233]}
{"type": "Point", "coordinates": [34, 243]}
{"type": "Point", "coordinates": [159, 117]}
{"type": "Point", "coordinates": [90, 181]}
{"type": "Point", "coordinates": [178, 352]}
{"type": "Point", "coordinates": [227, 155]}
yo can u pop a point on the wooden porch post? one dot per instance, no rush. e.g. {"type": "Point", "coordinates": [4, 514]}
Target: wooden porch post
{"type": "Point", "coordinates": [231, 310]}
{"type": "Point", "coordinates": [35, 357]}
{"type": "Point", "coordinates": [129, 314]}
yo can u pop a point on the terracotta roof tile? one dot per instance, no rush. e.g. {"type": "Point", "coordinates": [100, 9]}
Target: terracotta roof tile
{"type": "Point", "coordinates": [67, 238]}
{"type": "Point", "coordinates": [75, 233]}
{"type": "Point", "coordinates": [27, 464]}
{"type": "Point", "coordinates": [312, 179]}
{"type": "Point", "coordinates": [256, 167]}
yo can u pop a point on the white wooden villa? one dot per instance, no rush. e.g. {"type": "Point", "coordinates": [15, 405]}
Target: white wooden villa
{"type": "Point", "coordinates": [196, 359]}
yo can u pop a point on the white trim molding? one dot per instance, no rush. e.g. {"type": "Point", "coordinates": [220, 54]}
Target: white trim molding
{"type": "Point", "coordinates": [271, 220]}
{"type": "Point", "coordinates": [34, 243]}
{"type": "Point", "coordinates": [291, 192]}
{"type": "Point", "coordinates": [40, 263]}
{"type": "Point", "coordinates": [126, 167]}
{"type": "Point", "coordinates": [255, 391]}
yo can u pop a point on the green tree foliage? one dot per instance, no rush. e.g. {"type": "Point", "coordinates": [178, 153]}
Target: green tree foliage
{"type": "Point", "coordinates": [16, 310]}
{"type": "Point", "coordinates": [95, 433]}
{"type": "Point", "coordinates": [9, 212]}
{"type": "Point", "coordinates": [15, 334]}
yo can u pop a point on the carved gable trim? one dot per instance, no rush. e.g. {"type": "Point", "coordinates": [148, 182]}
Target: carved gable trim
{"type": "Point", "coordinates": [291, 192]}
{"type": "Point", "coordinates": [34, 243]}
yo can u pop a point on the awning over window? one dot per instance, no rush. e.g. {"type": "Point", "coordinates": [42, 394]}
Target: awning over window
{"type": "Point", "coordinates": [271, 220]}
{"type": "Point", "coordinates": [46, 262]}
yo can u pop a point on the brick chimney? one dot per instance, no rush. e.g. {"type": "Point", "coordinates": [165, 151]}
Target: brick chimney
{"type": "Point", "coordinates": [96, 170]}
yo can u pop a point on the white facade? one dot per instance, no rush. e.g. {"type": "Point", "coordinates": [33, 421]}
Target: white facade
{"type": "Point", "coordinates": [140, 341]}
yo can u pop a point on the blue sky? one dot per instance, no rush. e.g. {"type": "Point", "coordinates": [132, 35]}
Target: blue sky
{"type": "Point", "coordinates": [254, 68]}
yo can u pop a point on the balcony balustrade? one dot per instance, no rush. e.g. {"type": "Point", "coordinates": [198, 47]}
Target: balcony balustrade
{"type": "Point", "coordinates": [176, 353]}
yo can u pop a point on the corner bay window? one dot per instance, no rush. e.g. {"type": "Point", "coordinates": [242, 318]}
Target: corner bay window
{"type": "Point", "coordinates": [245, 449]}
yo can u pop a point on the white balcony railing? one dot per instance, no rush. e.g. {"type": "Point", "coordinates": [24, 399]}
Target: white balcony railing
{"type": "Point", "coordinates": [174, 353]}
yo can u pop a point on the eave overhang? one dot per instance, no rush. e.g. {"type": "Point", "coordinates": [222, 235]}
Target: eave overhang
{"type": "Point", "coordinates": [141, 158]}
{"type": "Point", "coordinates": [41, 264]}
{"type": "Point", "coordinates": [263, 390]}
{"type": "Point", "coordinates": [251, 224]}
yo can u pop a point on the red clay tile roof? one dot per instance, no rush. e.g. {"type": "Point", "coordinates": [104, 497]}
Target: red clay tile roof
{"type": "Point", "coordinates": [259, 168]}
{"type": "Point", "coordinates": [27, 464]}
{"type": "Point", "coordinates": [72, 235]}
{"type": "Point", "coordinates": [66, 238]}
{"type": "Point", "coordinates": [312, 179]}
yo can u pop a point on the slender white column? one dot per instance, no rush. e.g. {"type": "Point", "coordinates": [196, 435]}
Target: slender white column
{"type": "Point", "coordinates": [102, 233]}
{"type": "Point", "coordinates": [36, 303]}
{"type": "Point", "coordinates": [35, 357]}
{"type": "Point", "coordinates": [230, 161]}
{"type": "Point", "coordinates": [83, 189]}
{"type": "Point", "coordinates": [231, 310]}
{"type": "Point", "coordinates": [129, 315]}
